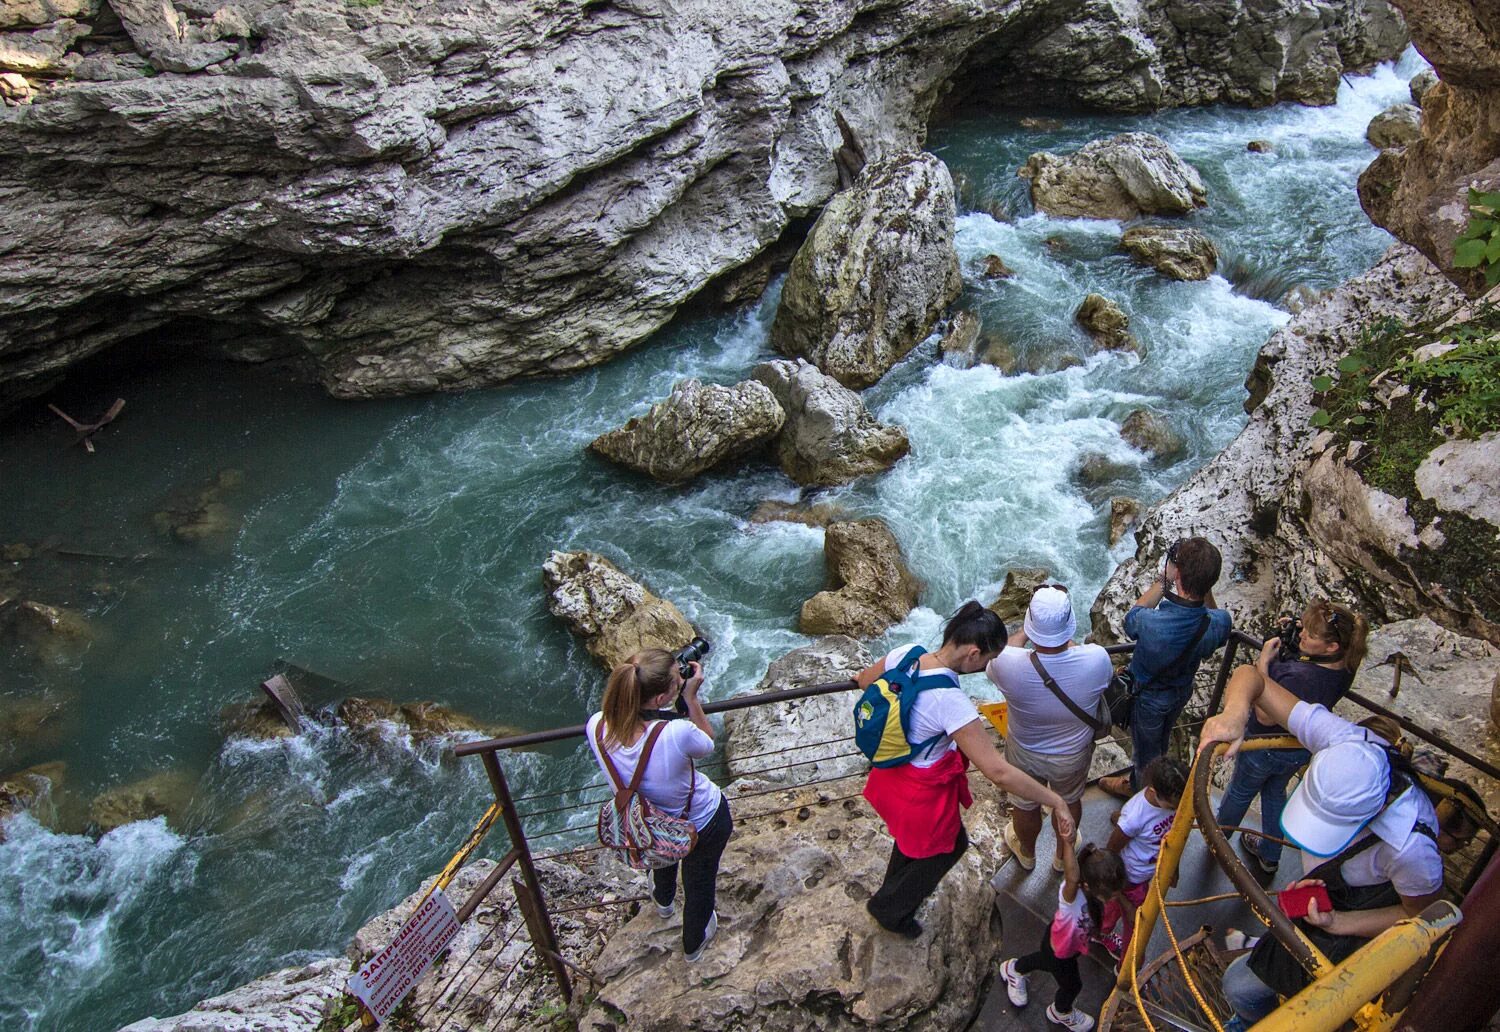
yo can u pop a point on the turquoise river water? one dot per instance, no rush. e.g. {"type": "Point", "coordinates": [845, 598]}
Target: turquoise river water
{"type": "Point", "coordinates": [397, 545]}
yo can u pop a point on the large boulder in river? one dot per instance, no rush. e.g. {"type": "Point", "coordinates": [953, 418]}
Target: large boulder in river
{"type": "Point", "coordinates": [163, 794]}
{"type": "Point", "coordinates": [612, 614]}
{"type": "Point", "coordinates": [695, 428]}
{"type": "Point", "coordinates": [1015, 594]}
{"type": "Point", "coordinates": [1396, 126]}
{"type": "Point", "coordinates": [1107, 323]}
{"type": "Point", "coordinates": [829, 436]}
{"type": "Point", "coordinates": [1122, 177]}
{"type": "Point", "coordinates": [817, 727]}
{"type": "Point", "coordinates": [871, 587]}
{"type": "Point", "coordinates": [1174, 251]}
{"type": "Point", "coordinates": [796, 950]}
{"type": "Point", "coordinates": [874, 274]}
{"type": "Point", "coordinates": [1146, 431]}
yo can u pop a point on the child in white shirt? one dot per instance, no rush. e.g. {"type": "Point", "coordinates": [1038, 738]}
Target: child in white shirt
{"type": "Point", "coordinates": [1143, 823]}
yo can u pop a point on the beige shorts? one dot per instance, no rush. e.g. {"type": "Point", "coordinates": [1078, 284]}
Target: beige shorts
{"type": "Point", "coordinates": [1066, 775]}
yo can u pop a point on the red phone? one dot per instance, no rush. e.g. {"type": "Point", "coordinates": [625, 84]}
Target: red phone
{"type": "Point", "coordinates": [1294, 902]}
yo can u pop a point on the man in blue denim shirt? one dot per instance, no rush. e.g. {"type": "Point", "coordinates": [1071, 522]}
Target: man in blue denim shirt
{"type": "Point", "coordinates": [1162, 622]}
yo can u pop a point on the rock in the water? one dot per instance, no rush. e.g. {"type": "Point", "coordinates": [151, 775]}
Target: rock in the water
{"type": "Point", "coordinates": [1123, 514]}
{"type": "Point", "coordinates": [819, 514]}
{"type": "Point", "coordinates": [697, 427]}
{"type": "Point", "coordinates": [1015, 595]}
{"type": "Point", "coordinates": [1396, 126]}
{"type": "Point", "coordinates": [255, 720]}
{"type": "Point", "coordinates": [164, 794]}
{"type": "Point", "coordinates": [871, 588]}
{"type": "Point", "coordinates": [829, 437]}
{"type": "Point", "coordinates": [750, 734]}
{"type": "Point", "coordinates": [1096, 469]}
{"type": "Point", "coordinates": [795, 950]}
{"type": "Point", "coordinates": [290, 1000]}
{"type": "Point", "coordinates": [1151, 434]}
{"type": "Point", "coordinates": [613, 615]}
{"type": "Point", "coordinates": [1260, 147]}
{"type": "Point", "coordinates": [1107, 323]}
{"type": "Point", "coordinates": [1299, 297]}
{"type": "Point", "coordinates": [995, 267]}
{"type": "Point", "coordinates": [960, 343]}
{"type": "Point", "coordinates": [874, 274]}
{"type": "Point", "coordinates": [1420, 83]}
{"type": "Point", "coordinates": [29, 790]}
{"type": "Point", "coordinates": [368, 719]}
{"type": "Point", "coordinates": [1178, 252]}
{"type": "Point", "coordinates": [1122, 177]}
{"type": "Point", "coordinates": [201, 516]}
{"type": "Point", "coordinates": [50, 633]}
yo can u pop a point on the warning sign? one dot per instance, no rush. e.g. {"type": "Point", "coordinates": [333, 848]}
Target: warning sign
{"type": "Point", "coordinates": [387, 977]}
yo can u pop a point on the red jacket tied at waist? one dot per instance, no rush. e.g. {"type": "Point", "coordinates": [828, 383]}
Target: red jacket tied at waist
{"type": "Point", "coordinates": [920, 805]}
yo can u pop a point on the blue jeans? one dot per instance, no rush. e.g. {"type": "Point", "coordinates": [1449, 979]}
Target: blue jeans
{"type": "Point", "coordinates": [1251, 998]}
{"type": "Point", "coordinates": [1264, 772]}
{"type": "Point", "coordinates": [1156, 710]}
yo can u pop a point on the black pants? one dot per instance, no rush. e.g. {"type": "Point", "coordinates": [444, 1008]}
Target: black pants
{"type": "Point", "coordinates": [700, 876]}
{"type": "Point", "coordinates": [1064, 969]}
{"type": "Point", "coordinates": [908, 882]}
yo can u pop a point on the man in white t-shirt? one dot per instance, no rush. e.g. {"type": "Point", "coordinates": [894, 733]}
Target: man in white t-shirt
{"type": "Point", "coordinates": [1046, 739]}
{"type": "Point", "coordinates": [1365, 833]}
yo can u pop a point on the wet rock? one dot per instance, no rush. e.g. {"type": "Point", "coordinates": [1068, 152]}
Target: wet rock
{"type": "Point", "coordinates": [1182, 254]}
{"type": "Point", "coordinates": [1042, 125]}
{"type": "Point", "coordinates": [874, 274]}
{"type": "Point", "coordinates": [16, 553]}
{"type": "Point", "coordinates": [1460, 477]}
{"type": "Point", "coordinates": [256, 720]}
{"type": "Point", "coordinates": [1396, 126]}
{"type": "Point", "coordinates": [793, 931]}
{"type": "Point", "coordinates": [30, 790]}
{"type": "Point", "coordinates": [1122, 177]}
{"type": "Point", "coordinates": [1299, 297]}
{"type": "Point", "coordinates": [960, 344]}
{"type": "Point", "coordinates": [995, 268]}
{"type": "Point", "coordinates": [52, 634]}
{"type": "Point", "coordinates": [369, 719]}
{"type": "Point", "coordinates": [870, 586]}
{"type": "Point", "coordinates": [613, 615]}
{"type": "Point", "coordinates": [1015, 594]}
{"type": "Point", "coordinates": [1260, 147]}
{"type": "Point", "coordinates": [1420, 83]}
{"type": "Point", "coordinates": [294, 999]}
{"type": "Point", "coordinates": [829, 437]}
{"type": "Point", "coordinates": [202, 516]}
{"type": "Point", "coordinates": [1096, 469]}
{"type": "Point", "coordinates": [1107, 323]}
{"type": "Point", "coordinates": [1150, 433]}
{"type": "Point", "coordinates": [1124, 513]}
{"type": "Point", "coordinates": [697, 427]}
{"type": "Point", "coordinates": [819, 514]}
{"type": "Point", "coordinates": [749, 734]}
{"type": "Point", "coordinates": [32, 722]}
{"type": "Point", "coordinates": [163, 794]}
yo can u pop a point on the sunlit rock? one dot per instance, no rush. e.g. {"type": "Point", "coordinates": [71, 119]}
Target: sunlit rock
{"type": "Point", "coordinates": [829, 437]}
{"type": "Point", "coordinates": [871, 587]}
{"type": "Point", "coordinates": [1122, 177]}
{"type": "Point", "coordinates": [1174, 251]}
{"type": "Point", "coordinates": [613, 615]}
{"type": "Point", "coordinates": [696, 428]}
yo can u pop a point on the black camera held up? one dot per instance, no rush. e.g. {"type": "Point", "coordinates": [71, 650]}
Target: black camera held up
{"type": "Point", "coordinates": [1289, 631]}
{"type": "Point", "coordinates": [690, 653]}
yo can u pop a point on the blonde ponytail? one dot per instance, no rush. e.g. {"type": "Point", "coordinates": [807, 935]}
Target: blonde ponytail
{"type": "Point", "coordinates": [631, 685]}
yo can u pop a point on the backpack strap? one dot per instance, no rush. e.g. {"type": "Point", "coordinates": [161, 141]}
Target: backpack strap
{"type": "Point", "coordinates": [1186, 651]}
{"type": "Point", "coordinates": [623, 792]}
{"type": "Point", "coordinates": [1062, 696]}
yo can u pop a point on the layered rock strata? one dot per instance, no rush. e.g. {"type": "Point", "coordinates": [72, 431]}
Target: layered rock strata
{"type": "Point", "coordinates": [874, 274]}
{"type": "Point", "coordinates": [427, 195]}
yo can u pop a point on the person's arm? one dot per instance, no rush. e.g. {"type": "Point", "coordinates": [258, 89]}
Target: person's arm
{"type": "Point", "coordinates": [1017, 637]}
{"type": "Point", "coordinates": [867, 676]}
{"type": "Point", "coordinates": [975, 743]}
{"type": "Point", "coordinates": [694, 706]}
{"type": "Point", "coordinates": [1071, 877]}
{"type": "Point", "coordinates": [1368, 923]}
{"type": "Point", "coordinates": [1152, 595]}
{"type": "Point", "coordinates": [1248, 687]}
{"type": "Point", "coordinates": [1118, 840]}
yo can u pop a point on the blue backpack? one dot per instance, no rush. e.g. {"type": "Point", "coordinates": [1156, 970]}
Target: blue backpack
{"type": "Point", "coordinates": [882, 716]}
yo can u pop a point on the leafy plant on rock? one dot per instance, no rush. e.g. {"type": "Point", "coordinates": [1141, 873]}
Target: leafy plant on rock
{"type": "Point", "coordinates": [1478, 246]}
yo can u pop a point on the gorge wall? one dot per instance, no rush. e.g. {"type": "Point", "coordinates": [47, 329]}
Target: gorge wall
{"type": "Point", "coordinates": [422, 195]}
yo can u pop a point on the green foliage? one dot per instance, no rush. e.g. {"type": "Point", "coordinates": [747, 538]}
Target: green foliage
{"type": "Point", "coordinates": [344, 1010]}
{"type": "Point", "coordinates": [1478, 246]}
{"type": "Point", "coordinates": [1464, 382]}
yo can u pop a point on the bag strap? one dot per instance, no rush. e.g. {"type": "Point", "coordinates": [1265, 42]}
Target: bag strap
{"type": "Point", "coordinates": [1187, 650]}
{"type": "Point", "coordinates": [1062, 696]}
{"type": "Point", "coordinates": [622, 791]}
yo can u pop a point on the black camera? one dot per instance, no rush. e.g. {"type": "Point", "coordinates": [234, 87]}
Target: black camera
{"type": "Point", "coordinates": [1289, 630]}
{"type": "Point", "coordinates": [1172, 551]}
{"type": "Point", "coordinates": [692, 652]}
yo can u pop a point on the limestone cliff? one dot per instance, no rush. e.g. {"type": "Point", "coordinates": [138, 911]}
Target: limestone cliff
{"type": "Point", "coordinates": [416, 195]}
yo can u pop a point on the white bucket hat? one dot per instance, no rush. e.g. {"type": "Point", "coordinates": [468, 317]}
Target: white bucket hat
{"type": "Point", "coordinates": [1049, 618]}
{"type": "Point", "coordinates": [1343, 791]}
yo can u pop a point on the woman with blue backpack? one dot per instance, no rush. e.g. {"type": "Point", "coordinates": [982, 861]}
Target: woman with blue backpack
{"type": "Point", "coordinates": [922, 732]}
{"type": "Point", "coordinates": [654, 757]}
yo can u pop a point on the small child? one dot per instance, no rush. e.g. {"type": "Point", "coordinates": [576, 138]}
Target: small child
{"type": "Point", "coordinates": [1145, 821]}
{"type": "Point", "coordinates": [1093, 879]}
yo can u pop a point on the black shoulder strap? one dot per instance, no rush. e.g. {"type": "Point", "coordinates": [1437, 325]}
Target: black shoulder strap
{"type": "Point", "coordinates": [1184, 654]}
{"type": "Point", "coordinates": [1062, 696]}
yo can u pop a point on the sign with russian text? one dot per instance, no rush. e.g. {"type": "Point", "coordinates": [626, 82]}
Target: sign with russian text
{"type": "Point", "coordinates": [387, 977]}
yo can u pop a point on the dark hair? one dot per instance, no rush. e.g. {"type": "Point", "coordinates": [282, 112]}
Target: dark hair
{"type": "Point", "coordinates": [1198, 565]}
{"type": "Point", "coordinates": [1333, 622]}
{"type": "Point", "coordinates": [632, 684]}
{"type": "Point", "coordinates": [1168, 776]}
{"type": "Point", "coordinates": [1102, 875]}
{"type": "Point", "coordinates": [975, 625]}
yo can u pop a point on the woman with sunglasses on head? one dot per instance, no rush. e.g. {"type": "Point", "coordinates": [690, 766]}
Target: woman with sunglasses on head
{"type": "Point", "coordinates": [1315, 659]}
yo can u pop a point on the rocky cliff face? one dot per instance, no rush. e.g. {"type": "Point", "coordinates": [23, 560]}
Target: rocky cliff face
{"type": "Point", "coordinates": [432, 195]}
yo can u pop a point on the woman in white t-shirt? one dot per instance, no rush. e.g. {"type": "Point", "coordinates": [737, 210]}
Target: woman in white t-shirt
{"type": "Point", "coordinates": [650, 680]}
{"type": "Point", "coordinates": [920, 801]}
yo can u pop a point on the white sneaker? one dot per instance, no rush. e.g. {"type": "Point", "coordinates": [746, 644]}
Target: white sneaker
{"type": "Point", "coordinates": [1015, 984]}
{"type": "Point", "coordinates": [1073, 1019]}
{"type": "Point", "coordinates": [1011, 846]}
{"type": "Point", "coordinates": [1234, 939]}
{"type": "Point", "coordinates": [665, 912]}
{"type": "Point", "coordinates": [708, 934]}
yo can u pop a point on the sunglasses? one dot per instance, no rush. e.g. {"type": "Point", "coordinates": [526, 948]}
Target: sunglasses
{"type": "Point", "coordinates": [1060, 587]}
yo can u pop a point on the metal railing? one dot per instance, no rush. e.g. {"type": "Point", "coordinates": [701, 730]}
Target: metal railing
{"type": "Point", "coordinates": [531, 899]}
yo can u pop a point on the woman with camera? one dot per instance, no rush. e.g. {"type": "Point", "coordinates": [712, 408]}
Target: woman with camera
{"type": "Point", "coordinates": [651, 680]}
{"type": "Point", "coordinates": [1315, 659]}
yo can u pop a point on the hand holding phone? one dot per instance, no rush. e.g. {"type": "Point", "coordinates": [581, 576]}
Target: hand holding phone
{"type": "Point", "coordinates": [1294, 901]}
